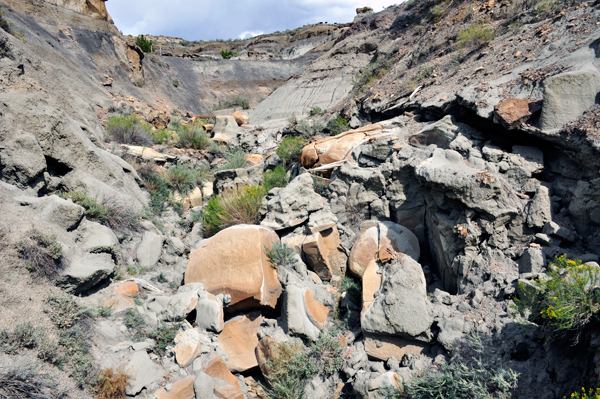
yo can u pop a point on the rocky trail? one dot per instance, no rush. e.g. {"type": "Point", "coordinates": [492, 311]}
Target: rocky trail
{"type": "Point", "coordinates": [404, 206]}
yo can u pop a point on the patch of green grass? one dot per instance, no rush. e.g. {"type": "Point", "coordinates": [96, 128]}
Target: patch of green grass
{"type": "Point", "coordinates": [184, 179]}
{"type": "Point", "coordinates": [226, 54]}
{"type": "Point", "coordinates": [144, 44]}
{"type": "Point", "coordinates": [41, 253]}
{"type": "Point", "coordinates": [315, 111]}
{"type": "Point", "coordinates": [164, 336]}
{"type": "Point", "coordinates": [352, 287]}
{"type": "Point", "coordinates": [240, 205]}
{"type": "Point", "coordinates": [565, 301]}
{"type": "Point", "coordinates": [109, 211]}
{"type": "Point", "coordinates": [129, 130]}
{"type": "Point", "coordinates": [235, 101]}
{"type": "Point", "coordinates": [310, 127]}
{"type": "Point", "coordinates": [373, 72]}
{"type": "Point", "coordinates": [290, 149]}
{"type": "Point", "coordinates": [236, 159]}
{"type": "Point", "coordinates": [280, 254]}
{"type": "Point", "coordinates": [192, 136]}
{"type": "Point", "coordinates": [277, 177]}
{"type": "Point", "coordinates": [426, 72]}
{"type": "Point", "coordinates": [295, 365]}
{"type": "Point", "coordinates": [134, 319]}
{"type": "Point", "coordinates": [475, 36]}
{"type": "Point", "coordinates": [337, 125]}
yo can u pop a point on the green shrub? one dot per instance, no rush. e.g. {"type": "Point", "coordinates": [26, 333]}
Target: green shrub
{"type": "Point", "coordinates": [134, 319]}
{"type": "Point", "coordinates": [280, 254]}
{"type": "Point", "coordinates": [426, 72]}
{"type": "Point", "coordinates": [161, 136]}
{"type": "Point", "coordinates": [291, 149]}
{"type": "Point", "coordinates": [164, 336]}
{"type": "Point", "coordinates": [585, 394]}
{"type": "Point", "coordinates": [129, 130]}
{"type": "Point", "coordinates": [337, 125]}
{"type": "Point", "coordinates": [41, 253]}
{"type": "Point", "coordinates": [476, 35]}
{"type": "Point", "coordinates": [564, 301]}
{"type": "Point", "coordinates": [109, 211]}
{"type": "Point", "coordinates": [192, 136]}
{"type": "Point", "coordinates": [144, 44]}
{"type": "Point", "coordinates": [477, 378]}
{"type": "Point", "coordinates": [64, 311]}
{"type": "Point", "coordinates": [309, 128]}
{"type": "Point", "coordinates": [239, 101]}
{"type": "Point", "coordinates": [295, 364]}
{"type": "Point", "coordinates": [373, 72]}
{"type": "Point", "coordinates": [226, 54]}
{"type": "Point", "coordinates": [176, 82]}
{"type": "Point", "coordinates": [184, 179]}
{"type": "Point", "coordinates": [236, 159]}
{"type": "Point", "coordinates": [547, 8]}
{"type": "Point", "coordinates": [23, 377]}
{"type": "Point", "coordinates": [315, 111]}
{"type": "Point", "coordinates": [240, 205]}
{"type": "Point", "coordinates": [277, 177]}
{"type": "Point", "coordinates": [25, 335]}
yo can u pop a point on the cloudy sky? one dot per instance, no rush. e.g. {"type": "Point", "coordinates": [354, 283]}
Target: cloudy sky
{"type": "Point", "coordinates": [225, 19]}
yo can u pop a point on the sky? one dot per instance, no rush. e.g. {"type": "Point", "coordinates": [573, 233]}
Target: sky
{"type": "Point", "coordinates": [229, 19]}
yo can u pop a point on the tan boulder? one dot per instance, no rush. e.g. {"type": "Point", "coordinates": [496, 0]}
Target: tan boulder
{"type": "Point", "coordinates": [254, 158]}
{"type": "Point", "coordinates": [123, 295]}
{"type": "Point", "coordinates": [220, 138]}
{"type": "Point", "coordinates": [187, 347]}
{"type": "Point", "coordinates": [315, 253]}
{"type": "Point", "coordinates": [217, 368]}
{"type": "Point", "coordinates": [209, 127]}
{"type": "Point", "coordinates": [513, 112]}
{"type": "Point", "coordinates": [234, 262]}
{"type": "Point", "coordinates": [337, 148]}
{"type": "Point", "coordinates": [239, 339]}
{"type": "Point", "coordinates": [383, 347]}
{"type": "Point", "coordinates": [240, 118]}
{"type": "Point", "coordinates": [182, 389]}
{"type": "Point", "coordinates": [265, 350]}
{"type": "Point", "coordinates": [316, 312]}
{"type": "Point", "coordinates": [146, 154]}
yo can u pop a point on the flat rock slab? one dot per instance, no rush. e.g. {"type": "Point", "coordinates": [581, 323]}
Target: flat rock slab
{"type": "Point", "coordinates": [239, 339]}
{"type": "Point", "coordinates": [144, 373]}
{"type": "Point", "coordinates": [150, 249]}
{"type": "Point", "coordinates": [383, 347]}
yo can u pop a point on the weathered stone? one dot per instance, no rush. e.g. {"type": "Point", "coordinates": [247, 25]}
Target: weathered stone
{"type": "Point", "coordinates": [375, 386]}
{"type": "Point", "coordinates": [240, 118]}
{"type": "Point", "coordinates": [62, 212]}
{"type": "Point", "coordinates": [298, 314]}
{"type": "Point", "coordinates": [209, 313]}
{"type": "Point", "coordinates": [440, 133]}
{"type": "Point", "coordinates": [532, 261]}
{"type": "Point", "coordinates": [451, 331]}
{"type": "Point", "coordinates": [233, 262]}
{"type": "Point", "coordinates": [292, 204]}
{"type": "Point", "coordinates": [22, 160]}
{"type": "Point", "coordinates": [227, 126]}
{"type": "Point", "coordinates": [85, 272]}
{"type": "Point", "coordinates": [401, 308]}
{"type": "Point", "coordinates": [182, 389]}
{"type": "Point", "coordinates": [568, 95]}
{"type": "Point", "coordinates": [513, 112]}
{"type": "Point", "coordinates": [540, 208]}
{"type": "Point", "coordinates": [317, 312]}
{"type": "Point", "coordinates": [150, 249]}
{"type": "Point", "coordinates": [383, 347]}
{"type": "Point", "coordinates": [239, 339]}
{"type": "Point", "coordinates": [221, 138]}
{"type": "Point", "coordinates": [123, 295]}
{"type": "Point", "coordinates": [183, 302]}
{"type": "Point", "coordinates": [187, 347]}
{"type": "Point", "coordinates": [144, 373]}
{"type": "Point", "coordinates": [266, 350]}
{"type": "Point", "coordinates": [229, 388]}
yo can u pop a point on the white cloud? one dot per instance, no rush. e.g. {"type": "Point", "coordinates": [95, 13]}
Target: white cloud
{"type": "Point", "coordinates": [224, 19]}
{"type": "Point", "coordinates": [247, 34]}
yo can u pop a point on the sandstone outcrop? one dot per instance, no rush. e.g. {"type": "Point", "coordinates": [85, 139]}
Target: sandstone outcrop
{"type": "Point", "coordinates": [233, 262]}
{"type": "Point", "coordinates": [239, 340]}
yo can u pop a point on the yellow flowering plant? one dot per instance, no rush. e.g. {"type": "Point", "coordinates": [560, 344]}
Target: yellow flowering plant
{"type": "Point", "coordinates": [566, 299]}
{"type": "Point", "coordinates": [585, 394]}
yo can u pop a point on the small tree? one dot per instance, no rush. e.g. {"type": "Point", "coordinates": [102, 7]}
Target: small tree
{"type": "Point", "coordinates": [144, 44]}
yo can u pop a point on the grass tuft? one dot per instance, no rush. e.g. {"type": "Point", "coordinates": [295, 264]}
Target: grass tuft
{"type": "Point", "coordinates": [111, 384]}
{"type": "Point", "coordinates": [290, 149]}
{"type": "Point", "coordinates": [41, 253]}
{"type": "Point", "coordinates": [277, 177]}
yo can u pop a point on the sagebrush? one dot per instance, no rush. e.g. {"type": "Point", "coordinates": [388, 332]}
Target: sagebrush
{"type": "Point", "coordinates": [41, 253]}
{"type": "Point", "coordinates": [290, 149]}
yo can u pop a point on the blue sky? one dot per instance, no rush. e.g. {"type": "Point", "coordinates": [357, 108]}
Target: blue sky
{"type": "Point", "coordinates": [225, 19]}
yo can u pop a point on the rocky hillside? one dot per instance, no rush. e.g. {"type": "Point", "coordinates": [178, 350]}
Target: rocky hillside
{"type": "Point", "coordinates": [410, 212]}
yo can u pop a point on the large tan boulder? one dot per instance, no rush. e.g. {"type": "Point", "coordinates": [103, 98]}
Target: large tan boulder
{"type": "Point", "coordinates": [337, 148]}
{"type": "Point", "coordinates": [91, 8]}
{"type": "Point", "coordinates": [182, 389]}
{"type": "Point", "coordinates": [240, 118]}
{"type": "Point", "coordinates": [234, 262]}
{"type": "Point", "coordinates": [265, 351]}
{"type": "Point", "coordinates": [187, 347]}
{"type": "Point", "coordinates": [216, 368]}
{"type": "Point", "coordinates": [239, 339]}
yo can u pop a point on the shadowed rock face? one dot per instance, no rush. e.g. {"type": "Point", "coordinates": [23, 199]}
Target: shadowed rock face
{"type": "Point", "coordinates": [91, 8]}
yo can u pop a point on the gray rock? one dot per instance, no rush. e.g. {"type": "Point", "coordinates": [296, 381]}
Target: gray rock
{"type": "Point", "coordinates": [374, 385]}
{"type": "Point", "coordinates": [150, 249]}
{"type": "Point", "coordinates": [209, 313]}
{"type": "Point", "coordinates": [21, 160]}
{"type": "Point", "coordinates": [540, 208]}
{"type": "Point", "coordinates": [451, 331]}
{"type": "Point", "coordinates": [95, 238]}
{"type": "Point", "coordinates": [532, 155]}
{"type": "Point", "coordinates": [532, 261]}
{"type": "Point", "coordinates": [568, 95]}
{"type": "Point", "coordinates": [175, 246]}
{"type": "Point", "coordinates": [85, 272]}
{"type": "Point", "coordinates": [63, 213]}
{"type": "Point", "coordinates": [550, 228]}
{"type": "Point", "coordinates": [294, 316]}
{"type": "Point", "coordinates": [401, 306]}
{"type": "Point", "coordinates": [292, 205]}
{"type": "Point", "coordinates": [183, 302]}
{"type": "Point", "coordinates": [231, 178]}
{"type": "Point", "coordinates": [144, 373]}
{"type": "Point", "coordinates": [226, 124]}
{"type": "Point", "coordinates": [204, 386]}
{"type": "Point", "coordinates": [440, 133]}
